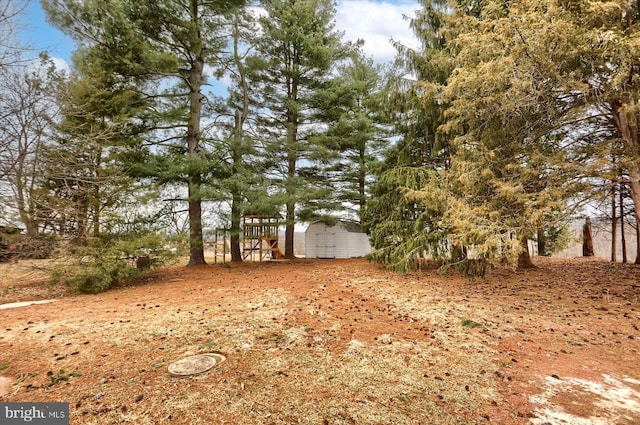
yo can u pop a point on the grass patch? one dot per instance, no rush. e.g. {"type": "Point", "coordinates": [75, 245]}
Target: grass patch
{"type": "Point", "coordinates": [62, 376]}
{"type": "Point", "coordinates": [470, 324]}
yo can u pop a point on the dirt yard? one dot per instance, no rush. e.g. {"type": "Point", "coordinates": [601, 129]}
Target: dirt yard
{"type": "Point", "coordinates": [333, 342]}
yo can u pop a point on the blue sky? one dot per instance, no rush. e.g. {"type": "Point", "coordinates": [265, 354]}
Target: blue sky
{"type": "Point", "coordinates": [374, 21]}
{"type": "Point", "coordinates": [41, 36]}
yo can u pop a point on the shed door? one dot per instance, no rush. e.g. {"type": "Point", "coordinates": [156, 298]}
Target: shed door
{"type": "Point", "coordinates": [326, 238]}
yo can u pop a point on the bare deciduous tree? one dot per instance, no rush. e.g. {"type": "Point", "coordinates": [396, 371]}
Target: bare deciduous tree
{"type": "Point", "coordinates": [11, 51]}
{"type": "Point", "coordinates": [25, 105]}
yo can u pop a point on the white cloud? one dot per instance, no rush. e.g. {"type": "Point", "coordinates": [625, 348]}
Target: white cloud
{"type": "Point", "coordinates": [61, 64]}
{"type": "Point", "coordinates": [34, 65]}
{"type": "Point", "coordinates": [377, 23]}
{"type": "Point", "coordinates": [373, 21]}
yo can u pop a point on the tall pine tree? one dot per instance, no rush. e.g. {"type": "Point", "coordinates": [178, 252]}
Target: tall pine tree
{"type": "Point", "coordinates": [83, 180]}
{"type": "Point", "coordinates": [298, 51]}
{"type": "Point", "coordinates": [164, 46]}
{"type": "Point", "coordinates": [356, 136]}
{"type": "Point", "coordinates": [241, 181]}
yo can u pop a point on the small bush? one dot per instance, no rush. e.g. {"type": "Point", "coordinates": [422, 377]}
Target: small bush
{"type": "Point", "coordinates": [101, 263]}
{"type": "Point", "coordinates": [99, 278]}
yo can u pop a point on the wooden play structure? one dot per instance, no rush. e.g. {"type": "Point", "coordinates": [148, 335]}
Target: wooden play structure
{"type": "Point", "coordinates": [259, 239]}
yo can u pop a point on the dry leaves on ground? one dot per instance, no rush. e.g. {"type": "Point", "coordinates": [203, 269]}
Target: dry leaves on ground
{"type": "Point", "coordinates": [336, 342]}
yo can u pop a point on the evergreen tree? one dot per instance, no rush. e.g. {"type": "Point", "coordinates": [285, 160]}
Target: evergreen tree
{"type": "Point", "coordinates": [82, 182]}
{"type": "Point", "coordinates": [533, 95]}
{"type": "Point", "coordinates": [505, 173]}
{"type": "Point", "coordinates": [295, 58]}
{"type": "Point", "coordinates": [164, 46]}
{"type": "Point", "coordinates": [242, 177]}
{"type": "Point", "coordinates": [356, 136]}
{"type": "Point", "coordinates": [403, 229]}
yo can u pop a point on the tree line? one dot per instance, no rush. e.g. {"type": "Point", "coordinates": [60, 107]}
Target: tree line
{"type": "Point", "coordinates": [508, 119]}
{"type": "Point", "coordinates": [143, 116]}
{"type": "Point", "coordinates": [519, 114]}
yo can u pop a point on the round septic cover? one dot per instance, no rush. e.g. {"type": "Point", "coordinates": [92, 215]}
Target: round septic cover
{"type": "Point", "coordinates": [194, 365]}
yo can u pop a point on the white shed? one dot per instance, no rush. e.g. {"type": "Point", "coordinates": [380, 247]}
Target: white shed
{"type": "Point", "coordinates": [342, 240]}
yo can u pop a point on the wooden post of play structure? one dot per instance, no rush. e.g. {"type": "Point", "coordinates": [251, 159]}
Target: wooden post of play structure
{"type": "Point", "coordinates": [220, 247]}
{"type": "Point", "coordinates": [260, 236]}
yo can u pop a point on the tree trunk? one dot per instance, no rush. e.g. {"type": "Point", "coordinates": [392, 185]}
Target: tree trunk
{"type": "Point", "coordinates": [196, 243]}
{"type": "Point", "coordinates": [96, 201]}
{"type": "Point", "coordinates": [524, 259]}
{"type": "Point", "coordinates": [634, 185]}
{"type": "Point", "coordinates": [289, 231]}
{"type": "Point", "coordinates": [21, 203]}
{"type": "Point", "coordinates": [542, 243]}
{"type": "Point", "coordinates": [292, 158]}
{"type": "Point", "coordinates": [236, 196]}
{"type": "Point", "coordinates": [290, 219]}
{"type": "Point", "coordinates": [236, 253]}
{"type": "Point", "coordinates": [362, 184]}
{"type": "Point", "coordinates": [623, 238]}
{"type": "Point", "coordinates": [626, 117]}
{"type": "Point", "coordinates": [587, 239]}
{"type": "Point", "coordinates": [238, 150]}
{"type": "Point", "coordinates": [614, 226]}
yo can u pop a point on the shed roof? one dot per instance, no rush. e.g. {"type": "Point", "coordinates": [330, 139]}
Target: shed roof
{"type": "Point", "coordinates": [349, 226]}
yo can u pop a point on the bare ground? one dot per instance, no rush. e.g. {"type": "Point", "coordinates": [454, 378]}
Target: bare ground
{"type": "Point", "coordinates": [333, 342]}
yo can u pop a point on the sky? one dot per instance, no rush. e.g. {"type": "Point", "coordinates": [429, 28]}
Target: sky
{"type": "Point", "coordinates": [40, 36]}
{"type": "Point", "coordinates": [374, 21]}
